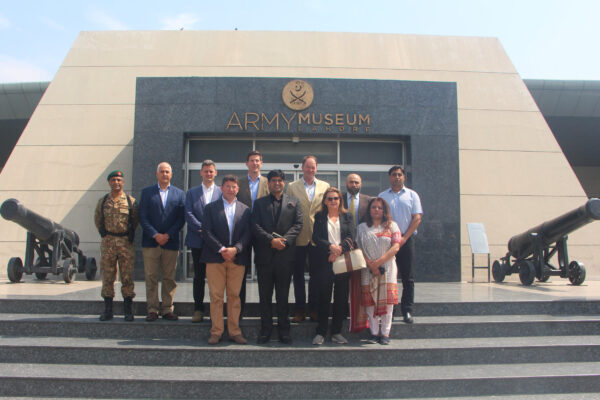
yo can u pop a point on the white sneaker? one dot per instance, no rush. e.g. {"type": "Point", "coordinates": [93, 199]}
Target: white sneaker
{"type": "Point", "coordinates": [318, 340]}
{"type": "Point", "coordinates": [338, 338]}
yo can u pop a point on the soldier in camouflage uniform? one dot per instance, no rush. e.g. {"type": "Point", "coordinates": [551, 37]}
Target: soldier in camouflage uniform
{"type": "Point", "coordinates": [116, 218]}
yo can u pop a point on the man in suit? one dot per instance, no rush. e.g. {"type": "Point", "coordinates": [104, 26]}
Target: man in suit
{"type": "Point", "coordinates": [276, 222]}
{"type": "Point", "coordinates": [309, 192]}
{"type": "Point", "coordinates": [161, 217]}
{"type": "Point", "coordinates": [226, 234]}
{"type": "Point", "coordinates": [252, 187]}
{"type": "Point", "coordinates": [195, 201]}
{"type": "Point", "coordinates": [354, 201]}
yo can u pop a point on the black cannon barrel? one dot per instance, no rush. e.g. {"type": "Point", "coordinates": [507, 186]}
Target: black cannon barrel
{"type": "Point", "coordinates": [43, 228]}
{"type": "Point", "coordinates": [522, 245]}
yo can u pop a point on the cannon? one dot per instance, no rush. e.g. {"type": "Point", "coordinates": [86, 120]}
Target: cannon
{"type": "Point", "coordinates": [533, 249]}
{"type": "Point", "coordinates": [51, 248]}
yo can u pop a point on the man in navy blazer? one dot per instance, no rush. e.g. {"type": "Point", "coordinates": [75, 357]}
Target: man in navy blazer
{"type": "Point", "coordinates": [195, 201]}
{"type": "Point", "coordinates": [161, 217]}
{"type": "Point", "coordinates": [226, 234]}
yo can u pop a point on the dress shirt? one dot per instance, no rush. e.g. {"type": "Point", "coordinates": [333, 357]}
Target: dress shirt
{"type": "Point", "coordinates": [207, 192]}
{"type": "Point", "coordinates": [334, 233]}
{"type": "Point", "coordinates": [403, 205]}
{"type": "Point", "coordinates": [253, 184]}
{"type": "Point", "coordinates": [164, 194]}
{"type": "Point", "coordinates": [276, 207]}
{"type": "Point", "coordinates": [229, 214]}
{"type": "Point", "coordinates": [310, 189]}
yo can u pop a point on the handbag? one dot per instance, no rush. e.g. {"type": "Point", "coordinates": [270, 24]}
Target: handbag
{"type": "Point", "coordinates": [352, 260]}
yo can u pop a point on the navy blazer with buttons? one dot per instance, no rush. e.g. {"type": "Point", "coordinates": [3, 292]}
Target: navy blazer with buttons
{"type": "Point", "coordinates": [154, 218]}
{"type": "Point", "coordinates": [215, 232]}
{"type": "Point", "coordinates": [194, 214]}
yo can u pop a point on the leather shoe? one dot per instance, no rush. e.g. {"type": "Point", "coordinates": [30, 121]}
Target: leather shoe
{"type": "Point", "coordinates": [314, 316]}
{"type": "Point", "coordinates": [285, 339]}
{"type": "Point", "coordinates": [262, 339]}
{"type": "Point", "coordinates": [170, 316]}
{"type": "Point", "coordinates": [408, 318]}
{"type": "Point", "coordinates": [152, 316]}
{"type": "Point", "coordinates": [214, 339]}
{"type": "Point", "coordinates": [198, 316]}
{"type": "Point", "coordinates": [239, 339]}
{"type": "Point", "coordinates": [299, 317]}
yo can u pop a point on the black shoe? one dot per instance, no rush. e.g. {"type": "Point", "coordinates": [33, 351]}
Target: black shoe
{"type": "Point", "coordinates": [107, 315]}
{"type": "Point", "coordinates": [285, 339]}
{"type": "Point", "coordinates": [128, 308]}
{"type": "Point", "coordinates": [408, 318]}
{"type": "Point", "coordinates": [264, 337]}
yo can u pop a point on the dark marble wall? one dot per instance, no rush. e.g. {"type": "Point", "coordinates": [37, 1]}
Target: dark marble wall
{"type": "Point", "coordinates": [423, 114]}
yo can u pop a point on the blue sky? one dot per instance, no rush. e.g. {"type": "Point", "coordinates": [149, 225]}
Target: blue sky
{"type": "Point", "coordinates": [545, 39]}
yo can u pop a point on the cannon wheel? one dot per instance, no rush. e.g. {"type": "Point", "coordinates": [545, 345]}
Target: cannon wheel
{"type": "Point", "coordinates": [545, 274]}
{"type": "Point", "coordinates": [576, 273]}
{"type": "Point", "coordinates": [41, 275]}
{"type": "Point", "coordinates": [90, 268]}
{"type": "Point", "coordinates": [69, 270]}
{"type": "Point", "coordinates": [15, 269]}
{"type": "Point", "coordinates": [526, 272]}
{"type": "Point", "coordinates": [498, 271]}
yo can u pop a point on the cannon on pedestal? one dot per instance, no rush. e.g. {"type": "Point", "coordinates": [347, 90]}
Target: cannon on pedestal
{"type": "Point", "coordinates": [51, 248]}
{"type": "Point", "coordinates": [533, 249]}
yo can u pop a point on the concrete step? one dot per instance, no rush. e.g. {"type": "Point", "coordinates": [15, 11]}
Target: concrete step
{"type": "Point", "coordinates": [85, 307]}
{"type": "Point", "coordinates": [401, 352]}
{"type": "Point", "coordinates": [110, 381]}
{"type": "Point", "coordinates": [425, 327]}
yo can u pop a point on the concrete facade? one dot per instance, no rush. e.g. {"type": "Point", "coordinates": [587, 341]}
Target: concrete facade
{"type": "Point", "coordinates": [512, 173]}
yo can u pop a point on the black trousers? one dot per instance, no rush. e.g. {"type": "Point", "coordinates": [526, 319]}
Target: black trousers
{"type": "Point", "coordinates": [299, 289]}
{"type": "Point", "coordinates": [340, 285]}
{"type": "Point", "coordinates": [278, 276]}
{"type": "Point", "coordinates": [199, 279]}
{"type": "Point", "coordinates": [405, 259]}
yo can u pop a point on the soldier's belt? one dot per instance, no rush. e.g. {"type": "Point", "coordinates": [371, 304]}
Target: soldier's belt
{"type": "Point", "coordinates": [117, 234]}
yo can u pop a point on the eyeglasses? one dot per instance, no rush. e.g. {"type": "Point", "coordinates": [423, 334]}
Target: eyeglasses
{"type": "Point", "coordinates": [333, 199]}
{"type": "Point", "coordinates": [376, 208]}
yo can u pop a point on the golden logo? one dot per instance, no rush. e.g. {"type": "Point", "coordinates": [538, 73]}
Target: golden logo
{"type": "Point", "coordinates": [297, 95]}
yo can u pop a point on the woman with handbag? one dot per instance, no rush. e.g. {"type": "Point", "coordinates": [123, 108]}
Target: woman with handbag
{"type": "Point", "coordinates": [333, 235]}
{"type": "Point", "coordinates": [379, 239]}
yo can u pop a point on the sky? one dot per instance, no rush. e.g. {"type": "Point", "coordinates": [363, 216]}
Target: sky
{"type": "Point", "coordinates": [545, 39]}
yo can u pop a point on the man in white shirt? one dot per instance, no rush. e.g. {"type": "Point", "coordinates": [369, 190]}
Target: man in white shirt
{"type": "Point", "coordinates": [405, 206]}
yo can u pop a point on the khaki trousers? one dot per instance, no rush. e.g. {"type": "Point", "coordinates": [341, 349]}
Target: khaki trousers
{"type": "Point", "coordinates": [157, 259]}
{"type": "Point", "coordinates": [223, 276]}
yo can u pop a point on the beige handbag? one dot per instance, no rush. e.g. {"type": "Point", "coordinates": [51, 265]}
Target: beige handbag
{"type": "Point", "coordinates": [350, 261]}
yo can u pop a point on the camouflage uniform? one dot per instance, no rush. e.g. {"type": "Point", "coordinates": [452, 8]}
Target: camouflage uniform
{"type": "Point", "coordinates": [115, 249]}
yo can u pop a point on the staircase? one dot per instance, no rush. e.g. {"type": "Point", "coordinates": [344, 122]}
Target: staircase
{"type": "Point", "coordinates": [510, 350]}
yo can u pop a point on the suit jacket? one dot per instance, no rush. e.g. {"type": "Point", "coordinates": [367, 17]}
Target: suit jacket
{"type": "Point", "coordinates": [194, 210]}
{"type": "Point", "coordinates": [244, 194]}
{"type": "Point", "coordinates": [263, 225]}
{"type": "Point", "coordinates": [309, 209]}
{"type": "Point", "coordinates": [363, 202]}
{"type": "Point", "coordinates": [154, 218]}
{"type": "Point", "coordinates": [321, 236]}
{"type": "Point", "coordinates": [215, 232]}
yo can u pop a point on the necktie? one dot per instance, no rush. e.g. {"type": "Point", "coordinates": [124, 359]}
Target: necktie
{"type": "Point", "coordinates": [353, 209]}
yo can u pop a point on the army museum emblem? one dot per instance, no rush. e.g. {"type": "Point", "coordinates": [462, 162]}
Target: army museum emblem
{"type": "Point", "coordinates": [297, 95]}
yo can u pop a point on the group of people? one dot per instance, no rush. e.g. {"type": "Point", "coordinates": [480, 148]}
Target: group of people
{"type": "Point", "coordinates": [311, 223]}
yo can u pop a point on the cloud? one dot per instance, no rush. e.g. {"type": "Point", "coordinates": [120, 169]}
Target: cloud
{"type": "Point", "coordinates": [52, 24]}
{"type": "Point", "coordinates": [106, 21]}
{"type": "Point", "coordinates": [4, 22]}
{"type": "Point", "coordinates": [183, 20]}
{"type": "Point", "coordinates": [14, 70]}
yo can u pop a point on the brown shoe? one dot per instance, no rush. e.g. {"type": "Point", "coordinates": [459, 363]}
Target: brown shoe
{"type": "Point", "coordinates": [299, 317]}
{"type": "Point", "coordinates": [314, 316]}
{"type": "Point", "coordinates": [214, 339]}
{"type": "Point", "coordinates": [198, 316]}
{"type": "Point", "coordinates": [239, 339]}
{"type": "Point", "coordinates": [170, 316]}
{"type": "Point", "coordinates": [152, 316]}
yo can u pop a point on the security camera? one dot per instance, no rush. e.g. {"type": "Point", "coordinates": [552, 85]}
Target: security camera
{"type": "Point", "coordinates": [296, 165]}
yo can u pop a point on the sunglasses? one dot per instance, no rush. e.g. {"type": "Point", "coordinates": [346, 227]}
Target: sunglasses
{"type": "Point", "coordinates": [333, 198]}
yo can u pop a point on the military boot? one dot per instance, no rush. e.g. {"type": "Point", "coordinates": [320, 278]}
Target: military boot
{"type": "Point", "coordinates": [108, 309]}
{"type": "Point", "coordinates": [128, 308]}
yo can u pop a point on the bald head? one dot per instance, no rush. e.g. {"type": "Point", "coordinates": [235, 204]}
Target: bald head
{"type": "Point", "coordinates": [353, 184]}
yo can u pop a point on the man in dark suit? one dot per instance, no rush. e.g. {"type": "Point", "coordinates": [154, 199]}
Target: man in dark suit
{"type": "Point", "coordinates": [358, 207]}
{"type": "Point", "coordinates": [161, 216]}
{"type": "Point", "coordinates": [252, 187]}
{"type": "Point", "coordinates": [276, 222]}
{"type": "Point", "coordinates": [226, 235]}
{"type": "Point", "coordinates": [195, 201]}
